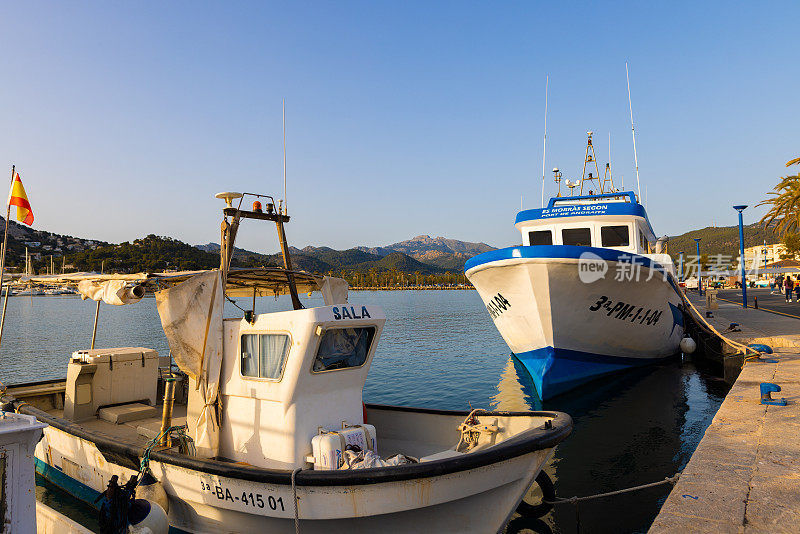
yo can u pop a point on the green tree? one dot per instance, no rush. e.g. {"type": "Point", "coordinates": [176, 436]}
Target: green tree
{"type": "Point", "coordinates": [784, 204]}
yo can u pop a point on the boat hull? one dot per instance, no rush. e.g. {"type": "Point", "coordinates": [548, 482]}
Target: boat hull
{"type": "Point", "coordinates": [477, 499]}
{"type": "Point", "coordinates": [569, 323]}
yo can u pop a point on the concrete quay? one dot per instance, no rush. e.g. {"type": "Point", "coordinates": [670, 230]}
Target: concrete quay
{"type": "Point", "coordinates": [744, 475]}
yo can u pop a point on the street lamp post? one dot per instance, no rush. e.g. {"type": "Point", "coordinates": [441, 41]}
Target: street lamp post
{"type": "Point", "coordinates": [699, 268]}
{"type": "Point", "coordinates": [764, 252]}
{"type": "Point", "coordinates": [740, 209]}
{"type": "Point", "coordinates": [680, 266]}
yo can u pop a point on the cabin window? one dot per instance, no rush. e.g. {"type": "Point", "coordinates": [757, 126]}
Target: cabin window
{"type": "Point", "coordinates": [579, 237]}
{"type": "Point", "coordinates": [615, 236]}
{"type": "Point", "coordinates": [541, 237]}
{"type": "Point", "coordinates": [263, 355]}
{"type": "Point", "coordinates": [342, 348]}
{"type": "Point", "coordinates": [642, 241]}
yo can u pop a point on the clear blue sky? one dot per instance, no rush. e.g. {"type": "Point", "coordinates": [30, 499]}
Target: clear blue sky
{"type": "Point", "coordinates": [404, 118]}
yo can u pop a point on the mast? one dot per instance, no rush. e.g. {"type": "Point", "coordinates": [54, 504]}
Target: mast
{"type": "Point", "coordinates": [544, 143]}
{"type": "Point", "coordinates": [285, 203]}
{"type": "Point", "coordinates": [590, 158]}
{"type": "Point", "coordinates": [607, 177]}
{"type": "Point", "coordinates": [633, 131]}
{"type": "Point", "coordinates": [229, 230]}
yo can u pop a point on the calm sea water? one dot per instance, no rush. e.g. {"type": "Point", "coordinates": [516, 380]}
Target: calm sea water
{"type": "Point", "coordinates": [439, 350]}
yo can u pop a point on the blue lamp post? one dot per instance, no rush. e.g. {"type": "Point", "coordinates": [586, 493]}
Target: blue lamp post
{"type": "Point", "coordinates": [740, 209]}
{"type": "Point", "coordinates": [699, 268]}
{"type": "Point", "coordinates": [680, 266]}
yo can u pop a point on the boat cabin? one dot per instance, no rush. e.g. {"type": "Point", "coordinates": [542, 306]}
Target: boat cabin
{"type": "Point", "coordinates": [612, 220]}
{"type": "Point", "coordinates": [289, 374]}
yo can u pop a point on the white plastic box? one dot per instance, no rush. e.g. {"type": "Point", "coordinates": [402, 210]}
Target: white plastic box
{"type": "Point", "coordinates": [329, 445]}
{"type": "Point", "coordinates": [103, 377]}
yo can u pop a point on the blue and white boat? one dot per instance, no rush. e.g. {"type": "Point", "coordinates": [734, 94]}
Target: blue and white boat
{"type": "Point", "coordinates": [588, 293]}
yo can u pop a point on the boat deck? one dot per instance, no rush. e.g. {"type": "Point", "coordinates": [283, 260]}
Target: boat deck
{"type": "Point", "coordinates": [137, 432]}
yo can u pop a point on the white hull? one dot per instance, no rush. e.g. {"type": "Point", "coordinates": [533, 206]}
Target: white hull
{"type": "Point", "coordinates": [567, 331]}
{"type": "Point", "coordinates": [479, 499]}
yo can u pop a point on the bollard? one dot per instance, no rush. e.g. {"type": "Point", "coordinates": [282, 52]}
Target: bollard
{"type": "Point", "coordinates": [755, 302]}
{"type": "Point", "coordinates": [166, 414]}
{"type": "Point", "coordinates": [767, 389]}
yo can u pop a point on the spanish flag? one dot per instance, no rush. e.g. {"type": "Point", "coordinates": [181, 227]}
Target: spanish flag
{"type": "Point", "coordinates": [18, 198]}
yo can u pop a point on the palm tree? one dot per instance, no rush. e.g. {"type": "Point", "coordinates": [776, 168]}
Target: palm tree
{"type": "Point", "coordinates": [785, 204]}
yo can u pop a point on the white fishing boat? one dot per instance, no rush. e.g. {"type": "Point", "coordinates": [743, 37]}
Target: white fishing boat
{"type": "Point", "coordinates": [268, 431]}
{"type": "Point", "coordinates": [590, 291]}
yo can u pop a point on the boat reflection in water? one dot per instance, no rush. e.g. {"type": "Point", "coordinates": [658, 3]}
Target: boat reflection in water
{"type": "Point", "coordinates": [629, 429]}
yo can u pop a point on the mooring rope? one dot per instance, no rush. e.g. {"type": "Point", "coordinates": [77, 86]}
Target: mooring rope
{"type": "Point", "coordinates": [575, 500]}
{"type": "Point", "coordinates": [294, 495]}
{"type": "Point", "coordinates": [705, 325]}
{"type": "Point", "coordinates": [182, 436]}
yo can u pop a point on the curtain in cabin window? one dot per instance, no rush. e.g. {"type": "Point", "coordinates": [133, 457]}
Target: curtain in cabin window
{"type": "Point", "coordinates": [272, 355]}
{"type": "Point", "coordinates": [249, 354]}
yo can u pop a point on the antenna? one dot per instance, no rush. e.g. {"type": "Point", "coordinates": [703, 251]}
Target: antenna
{"type": "Point", "coordinates": [284, 158]}
{"type": "Point", "coordinates": [633, 130]}
{"type": "Point", "coordinates": [544, 143]}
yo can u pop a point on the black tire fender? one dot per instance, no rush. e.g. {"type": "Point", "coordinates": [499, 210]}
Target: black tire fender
{"type": "Point", "coordinates": [548, 494]}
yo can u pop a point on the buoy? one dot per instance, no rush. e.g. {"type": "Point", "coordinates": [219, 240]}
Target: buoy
{"type": "Point", "coordinates": [688, 345]}
{"type": "Point", "coordinates": [147, 517]}
{"type": "Point", "coordinates": [152, 490]}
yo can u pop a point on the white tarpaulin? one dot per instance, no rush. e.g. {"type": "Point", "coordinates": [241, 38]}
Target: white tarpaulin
{"type": "Point", "coordinates": [116, 292]}
{"type": "Point", "coordinates": [191, 315]}
{"type": "Point", "coordinates": [334, 290]}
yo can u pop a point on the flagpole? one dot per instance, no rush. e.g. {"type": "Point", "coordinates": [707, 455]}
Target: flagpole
{"type": "Point", "coordinates": [5, 242]}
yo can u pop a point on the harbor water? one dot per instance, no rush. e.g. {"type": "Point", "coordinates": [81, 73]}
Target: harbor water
{"type": "Point", "coordinates": [439, 350]}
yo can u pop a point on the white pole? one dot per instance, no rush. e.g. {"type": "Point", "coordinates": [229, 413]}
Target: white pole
{"type": "Point", "coordinates": [633, 131]}
{"type": "Point", "coordinates": [285, 210]}
{"type": "Point", "coordinates": [544, 143]}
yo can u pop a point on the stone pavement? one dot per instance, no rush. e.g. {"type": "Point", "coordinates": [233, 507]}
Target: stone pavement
{"type": "Point", "coordinates": [757, 326]}
{"type": "Point", "coordinates": [744, 475]}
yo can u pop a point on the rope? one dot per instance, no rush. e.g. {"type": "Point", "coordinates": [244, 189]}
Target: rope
{"type": "Point", "coordinates": [234, 302]}
{"type": "Point", "coordinates": [705, 325]}
{"type": "Point", "coordinates": [294, 494]}
{"type": "Point", "coordinates": [182, 436]}
{"type": "Point", "coordinates": [467, 428]}
{"type": "Point", "coordinates": [575, 500]}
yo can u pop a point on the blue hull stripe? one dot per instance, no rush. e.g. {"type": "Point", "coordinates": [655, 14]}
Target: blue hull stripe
{"type": "Point", "coordinates": [555, 371]}
{"type": "Point", "coordinates": [77, 489]}
{"type": "Point", "coordinates": [559, 252]}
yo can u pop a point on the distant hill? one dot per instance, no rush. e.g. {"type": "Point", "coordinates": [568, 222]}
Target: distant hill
{"type": "Point", "coordinates": [422, 253]}
{"type": "Point", "coordinates": [424, 243]}
{"type": "Point", "coordinates": [148, 254]}
{"type": "Point", "coordinates": [41, 245]}
{"type": "Point", "coordinates": [721, 240]}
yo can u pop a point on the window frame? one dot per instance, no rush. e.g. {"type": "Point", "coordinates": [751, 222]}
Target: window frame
{"type": "Point", "coordinates": [258, 359]}
{"type": "Point", "coordinates": [370, 350]}
{"type": "Point", "coordinates": [549, 231]}
{"type": "Point", "coordinates": [590, 229]}
{"type": "Point", "coordinates": [628, 231]}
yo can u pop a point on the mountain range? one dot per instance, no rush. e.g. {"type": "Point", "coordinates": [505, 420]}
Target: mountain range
{"type": "Point", "coordinates": [422, 254]}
